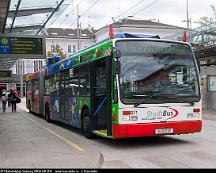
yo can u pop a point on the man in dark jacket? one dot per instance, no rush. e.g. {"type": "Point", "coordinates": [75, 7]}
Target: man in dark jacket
{"type": "Point", "coordinates": [12, 99]}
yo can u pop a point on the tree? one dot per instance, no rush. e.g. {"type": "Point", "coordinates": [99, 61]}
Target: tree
{"type": "Point", "coordinates": [57, 50]}
{"type": "Point", "coordinates": [203, 21]}
{"type": "Point", "coordinates": [214, 11]}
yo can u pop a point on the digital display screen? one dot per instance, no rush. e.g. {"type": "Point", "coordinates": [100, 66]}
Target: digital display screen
{"type": "Point", "coordinates": [5, 73]}
{"type": "Point", "coordinates": [22, 47]}
{"type": "Point", "coordinates": [26, 45]}
{"type": "Point", "coordinates": [152, 48]}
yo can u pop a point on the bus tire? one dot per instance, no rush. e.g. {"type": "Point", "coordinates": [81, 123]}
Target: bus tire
{"type": "Point", "coordinates": [47, 114]}
{"type": "Point", "coordinates": [86, 125]}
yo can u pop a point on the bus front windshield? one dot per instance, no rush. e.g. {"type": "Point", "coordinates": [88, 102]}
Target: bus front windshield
{"type": "Point", "coordinates": [157, 72]}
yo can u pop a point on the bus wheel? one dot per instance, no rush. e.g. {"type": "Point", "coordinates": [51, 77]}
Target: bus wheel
{"type": "Point", "coordinates": [47, 114]}
{"type": "Point", "coordinates": [86, 125]}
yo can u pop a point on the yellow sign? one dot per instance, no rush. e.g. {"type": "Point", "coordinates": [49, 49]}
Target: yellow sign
{"type": "Point", "coordinates": [4, 41]}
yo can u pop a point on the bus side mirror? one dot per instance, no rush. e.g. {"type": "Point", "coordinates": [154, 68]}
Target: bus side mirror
{"type": "Point", "coordinates": [117, 67]}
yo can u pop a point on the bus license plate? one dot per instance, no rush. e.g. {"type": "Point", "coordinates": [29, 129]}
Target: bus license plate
{"type": "Point", "coordinates": [164, 131]}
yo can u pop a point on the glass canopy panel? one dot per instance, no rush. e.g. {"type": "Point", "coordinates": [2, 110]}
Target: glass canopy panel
{"type": "Point", "coordinates": [32, 14]}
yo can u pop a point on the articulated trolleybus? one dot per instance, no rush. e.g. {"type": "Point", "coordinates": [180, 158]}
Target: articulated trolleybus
{"type": "Point", "coordinates": [127, 86]}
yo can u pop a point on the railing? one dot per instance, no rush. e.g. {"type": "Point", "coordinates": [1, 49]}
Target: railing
{"type": "Point", "coordinates": [202, 36]}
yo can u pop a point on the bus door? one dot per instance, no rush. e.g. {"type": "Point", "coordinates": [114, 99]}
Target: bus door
{"type": "Point", "coordinates": [64, 95]}
{"type": "Point", "coordinates": [101, 95]}
{"type": "Point", "coordinates": [35, 96]}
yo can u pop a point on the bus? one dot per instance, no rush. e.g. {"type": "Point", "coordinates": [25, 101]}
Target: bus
{"type": "Point", "coordinates": [123, 87]}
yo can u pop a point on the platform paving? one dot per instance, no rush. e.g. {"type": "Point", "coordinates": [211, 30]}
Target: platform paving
{"type": "Point", "coordinates": [25, 143]}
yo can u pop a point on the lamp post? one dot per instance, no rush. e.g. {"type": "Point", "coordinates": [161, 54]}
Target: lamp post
{"type": "Point", "coordinates": [187, 17]}
{"type": "Point", "coordinates": [21, 77]}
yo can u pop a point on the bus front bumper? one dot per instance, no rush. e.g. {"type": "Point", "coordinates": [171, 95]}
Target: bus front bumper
{"type": "Point", "coordinates": [149, 129]}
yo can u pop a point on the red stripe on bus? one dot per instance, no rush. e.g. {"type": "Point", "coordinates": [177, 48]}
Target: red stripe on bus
{"type": "Point", "coordinates": [148, 129]}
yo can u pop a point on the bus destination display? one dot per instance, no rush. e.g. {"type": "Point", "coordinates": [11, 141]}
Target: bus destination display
{"type": "Point", "coordinates": [21, 46]}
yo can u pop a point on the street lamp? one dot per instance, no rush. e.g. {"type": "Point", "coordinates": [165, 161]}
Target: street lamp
{"type": "Point", "coordinates": [187, 17]}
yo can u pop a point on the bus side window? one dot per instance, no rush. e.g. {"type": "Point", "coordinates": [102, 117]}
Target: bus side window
{"type": "Point", "coordinates": [84, 80]}
{"type": "Point", "coordinates": [100, 80]}
{"type": "Point", "coordinates": [74, 83]}
{"type": "Point", "coordinates": [36, 87]}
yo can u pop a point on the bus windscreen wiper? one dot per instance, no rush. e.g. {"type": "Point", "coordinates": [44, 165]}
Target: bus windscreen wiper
{"type": "Point", "coordinates": [148, 97]}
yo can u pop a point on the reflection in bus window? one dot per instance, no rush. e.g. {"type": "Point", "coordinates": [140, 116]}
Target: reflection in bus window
{"type": "Point", "coordinates": [84, 80]}
{"type": "Point", "coordinates": [74, 83]}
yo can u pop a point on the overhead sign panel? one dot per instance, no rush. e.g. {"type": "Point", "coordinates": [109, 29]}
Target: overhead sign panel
{"type": "Point", "coordinates": [27, 47]}
{"type": "Point", "coordinates": [5, 73]}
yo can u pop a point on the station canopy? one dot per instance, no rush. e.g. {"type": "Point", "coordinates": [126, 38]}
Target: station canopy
{"type": "Point", "coordinates": [27, 17]}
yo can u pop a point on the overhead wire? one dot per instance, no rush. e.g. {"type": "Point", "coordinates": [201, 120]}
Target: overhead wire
{"type": "Point", "coordinates": [95, 2]}
{"type": "Point", "coordinates": [134, 7]}
{"type": "Point", "coordinates": [146, 7]}
{"type": "Point", "coordinates": [90, 7]}
{"type": "Point", "coordinates": [138, 3]}
{"type": "Point", "coordinates": [72, 10]}
{"type": "Point", "coordinates": [130, 8]}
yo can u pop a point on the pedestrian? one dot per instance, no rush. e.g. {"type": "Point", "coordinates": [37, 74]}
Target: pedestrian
{"type": "Point", "coordinates": [7, 93]}
{"type": "Point", "coordinates": [4, 101]}
{"type": "Point", "coordinates": [12, 98]}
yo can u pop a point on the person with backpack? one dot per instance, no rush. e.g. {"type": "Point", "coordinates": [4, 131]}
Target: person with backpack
{"type": "Point", "coordinates": [4, 101]}
{"type": "Point", "coordinates": [12, 97]}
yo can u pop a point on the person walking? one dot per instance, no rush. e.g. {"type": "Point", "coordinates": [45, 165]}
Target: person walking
{"type": "Point", "coordinates": [12, 97]}
{"type": "Point", "coordinates": [4, 101]}
{"type": "Point", "coordinates": [7, 93]}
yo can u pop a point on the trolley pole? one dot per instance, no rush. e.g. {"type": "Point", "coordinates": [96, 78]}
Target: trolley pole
{"type": "Point", "coordinates": [188, 21]}
{"type": "Point", "coordinates": [78, 28]}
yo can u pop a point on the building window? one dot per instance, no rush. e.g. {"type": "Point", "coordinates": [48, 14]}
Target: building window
{"type": "Point", "coordinates": [69, 48]}
{"type": "Point", "coordinates": [52, 48]}
{"type": "Point", "coordinates": [20, 67]}
{"type": "Point", "coordinates": [37, 65]}
{"type": "Point", "coordinates": [74, 48]}
{"type": "Point", "coordinates": [40, 64]}
{"type": "Point", "coordinates": [17, 67]}
{"type": "Point", "coordinates": [211, 83]}
{"type": "Point", "coordinates": [23, 67]}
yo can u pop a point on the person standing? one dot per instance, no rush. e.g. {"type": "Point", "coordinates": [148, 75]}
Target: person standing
{"type": "Point", "coordinates": [12, 98]}
{"type": "Point", "coordinates": [7, 93]}
{"type": "Point", "coordinates": [4, 101]}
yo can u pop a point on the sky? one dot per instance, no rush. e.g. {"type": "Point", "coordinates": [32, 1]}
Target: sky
{"type": "Point", "coordinates": [98, 13]}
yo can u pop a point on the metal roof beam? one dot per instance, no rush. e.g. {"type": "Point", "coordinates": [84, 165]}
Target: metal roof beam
{"type": "Point", "coordinates": [28, 12]}
{"type": "Point", "coordinates": [14, 17]}
{"type": "Point", "coordinates": [50, 17]}
{"type": "Point", "coordinates": [24, 28]}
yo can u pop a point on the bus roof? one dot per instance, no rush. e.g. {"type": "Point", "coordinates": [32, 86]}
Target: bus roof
{"type": "Point", "coordinates": [96, 51]}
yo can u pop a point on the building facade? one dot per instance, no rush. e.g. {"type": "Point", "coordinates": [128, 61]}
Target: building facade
{"type": "Point", "coordinates": [138, 27]}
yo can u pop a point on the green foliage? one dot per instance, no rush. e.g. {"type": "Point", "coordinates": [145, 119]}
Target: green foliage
{"type": "Point", "coordinates": [57, 50]}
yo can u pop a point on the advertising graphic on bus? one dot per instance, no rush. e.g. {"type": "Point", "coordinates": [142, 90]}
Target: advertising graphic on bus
{"type": "Point", "coordinates": [125, 86]}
